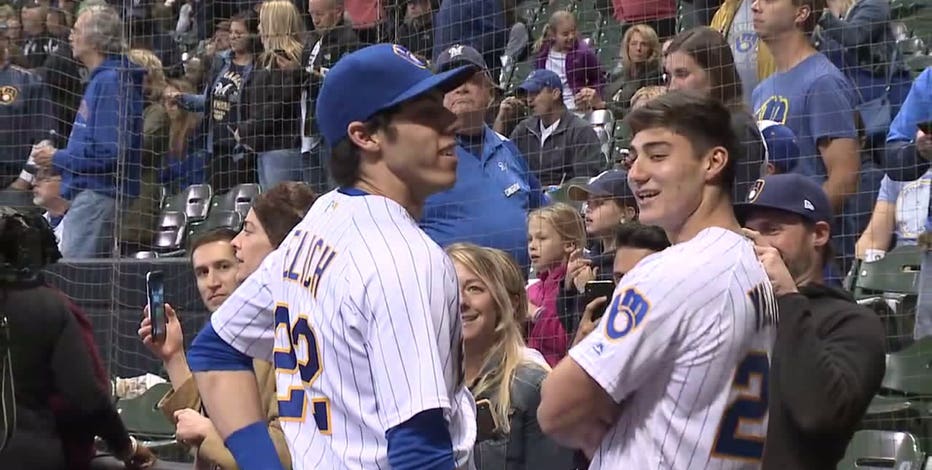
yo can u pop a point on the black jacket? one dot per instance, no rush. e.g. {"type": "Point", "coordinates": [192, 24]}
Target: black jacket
{"type": "Point", "coordinates": [572, 150]}
{"type": "Point", "coordinates": [827, 365]}
{"type": "Point", "coordinates": [334, 44]}
{"type": "Point", "coordinates": [271, 109]}
{"type": "Point", "coordinates": [50, 358]}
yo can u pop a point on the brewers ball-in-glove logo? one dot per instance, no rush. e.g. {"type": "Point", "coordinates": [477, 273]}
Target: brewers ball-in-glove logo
{"type": "Point", "coordinates": [405, 54]}
{"type": "Point", "coordinates": [755, 191]}
{"type": "Point", "coordinates": [8, 95]}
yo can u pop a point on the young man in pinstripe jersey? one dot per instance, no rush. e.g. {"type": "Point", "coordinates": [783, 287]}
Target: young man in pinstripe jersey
{"type": "Point", "coordinates": [675, 374]}
{"type": "Point", "coordinates": [358, 307]}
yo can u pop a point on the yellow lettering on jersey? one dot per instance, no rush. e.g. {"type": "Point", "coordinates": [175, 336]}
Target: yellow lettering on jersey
{"type": "Point", "coordinates": [322, 255]}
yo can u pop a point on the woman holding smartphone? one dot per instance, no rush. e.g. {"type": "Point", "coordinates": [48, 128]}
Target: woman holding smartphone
{"type": "Point", "coordinates": [271, 122]}
{"type": "Point", "coordinates": [503, 375]}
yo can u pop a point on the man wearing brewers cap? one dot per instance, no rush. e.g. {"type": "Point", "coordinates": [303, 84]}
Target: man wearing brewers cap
{"type": "Point", "coordinates": [358, 308]}
{"type": "Point", "coordinates": [828, 359]}
{"type": "Point", "coordinates": [494, 189]}
{"type": "Point", "coordinates": [558, 144]}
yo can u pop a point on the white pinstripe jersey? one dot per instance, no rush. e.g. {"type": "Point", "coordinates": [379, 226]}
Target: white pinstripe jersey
{"type": "Point", "coordinates": [685, 346]}
{"type": "Point", "coordinates": [365, 313]}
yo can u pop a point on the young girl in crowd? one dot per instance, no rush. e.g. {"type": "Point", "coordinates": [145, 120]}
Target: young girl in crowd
{"type": "Point", "coordinates": [561, 51]}
{"type": "Point", "coordinates": [553, 233]}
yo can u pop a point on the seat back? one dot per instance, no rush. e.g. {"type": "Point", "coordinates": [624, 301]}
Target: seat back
{"type": "Point", "coordinates": [882, 449]}
{"type": "Point", "coordinates": [238, 199]}
{"type": "Point", "coordinates": [896, 272]}
{"type": "Point", "coordinates": [224, 219]}
{"type": "Point", "coordinates": [194, 202]}
{"type": "Point", "coordinates": [909, 370]}
{"type": "Point", "coordinates": [171, 230]}
{"type": "Point", "coordinates": [142, 417]}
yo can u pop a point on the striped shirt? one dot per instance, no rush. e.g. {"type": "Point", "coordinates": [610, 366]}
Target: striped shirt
{"type": "Point", "coordinates": [359, 311]}
{"type": "Point", "coordinates": [684, 346]}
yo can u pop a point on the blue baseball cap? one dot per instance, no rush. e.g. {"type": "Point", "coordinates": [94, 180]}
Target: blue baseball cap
{"type": "Point", "coordinates": [538, 80]}
{"type": "Point", "coordinates": [787, 192]}
{"type": "Point", "coordinates": [781, 145]}
{"type": "Point", "coordinates": [374, 79]}
{"type": "Point", "coordinates": [610, 184]}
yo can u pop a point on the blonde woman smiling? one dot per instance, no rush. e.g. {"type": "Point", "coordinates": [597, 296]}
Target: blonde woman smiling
{"type": "Point", "coordinates": [503, 375]}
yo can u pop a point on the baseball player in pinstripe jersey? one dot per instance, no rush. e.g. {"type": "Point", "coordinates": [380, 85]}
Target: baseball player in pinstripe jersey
{"type": "Point", "coordinates": [358, 308]}
{"type": "Point", "coordinates": [675, 374]}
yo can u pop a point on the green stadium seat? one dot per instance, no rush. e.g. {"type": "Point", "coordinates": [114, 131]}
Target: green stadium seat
{"type": "Point", "coordinates": [882, 449]}
{"type": "Point", "coordinates": [897, 272]}
{"type": "Point", "coordinates": [142, 417]}
{"type": "Point", "coordinates": [170, 232]}
{"type": "Point", "coordinates": [909, 371]}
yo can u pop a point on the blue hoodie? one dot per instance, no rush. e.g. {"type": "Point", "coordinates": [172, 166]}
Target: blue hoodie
{"type": "Point", "coordinates": [106, 140]}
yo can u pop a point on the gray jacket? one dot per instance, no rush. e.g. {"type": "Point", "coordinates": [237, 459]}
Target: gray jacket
{"type": "Point", "coordinates": [526, 446]}
{"type": "Point", "coordinates": [572, 150]}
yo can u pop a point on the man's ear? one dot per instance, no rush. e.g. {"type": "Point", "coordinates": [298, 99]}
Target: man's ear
{"type": "Point", "coordinates": [360, 136]}
{"type": "Point", "coordinates": [802, 14]}
{"type": "Point", "coordinates": [822, 234]}
{"type": "Point", "coordinates": [716, 161]}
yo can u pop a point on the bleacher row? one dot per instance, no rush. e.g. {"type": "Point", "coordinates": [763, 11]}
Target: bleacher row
{"type": "Point", "coordinates": [897, 428]}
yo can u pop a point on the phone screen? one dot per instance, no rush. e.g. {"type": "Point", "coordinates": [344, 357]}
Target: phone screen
{"type": "Point", "coordinates": [596, 289]}
{"type": "Point", "coordinates": [155, 300]}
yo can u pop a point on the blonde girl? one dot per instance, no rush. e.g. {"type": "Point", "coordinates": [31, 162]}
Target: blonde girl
{"type": "Point", "coordinates": [502, 373]}
{"type": "Point", "coordinates": [554, 232]}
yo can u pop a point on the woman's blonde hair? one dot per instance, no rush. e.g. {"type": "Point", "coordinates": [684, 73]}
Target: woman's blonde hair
{"type": "Point", "coordinates": [181, 129]}
{"type": "Point", "coordinates": [649, 35]}
{"type": "Point", "coordinates": [565, 220]}
{"type": "Point", "coordinates": [505, 285]}
{"type": "Point", "coordinates": [281, 28]}
{"type": "Point", "coordinates": [155, 72]}
{"type": "Point", "coordinates": [556, 18]}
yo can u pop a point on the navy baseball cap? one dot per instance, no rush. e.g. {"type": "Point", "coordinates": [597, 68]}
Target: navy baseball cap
{"type": "Point", "coordinates": [788, 192]}
{"type": "Point", "coordinates": [781, 145]}
{"type": "Point", "coordinates": [611, 184]}
{"type": "Point", "coordinates": [538, 80]}
{"type": "Point", "coordinates": [458, 55]}
{"type": "Point", "coordinates": [373, 79]}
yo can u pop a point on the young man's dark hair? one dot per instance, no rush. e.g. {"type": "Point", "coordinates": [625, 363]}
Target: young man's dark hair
{"type": "Point", "coordinates": [282, 207]}
{"type": "Point", "coordinates": [637, 235]}
{"type": "Point", "coordinates": [222, 234]}
{"type": "Point", "coordinates": [345, 156]}
{"type": "Point", "coordinates": [696, 117]}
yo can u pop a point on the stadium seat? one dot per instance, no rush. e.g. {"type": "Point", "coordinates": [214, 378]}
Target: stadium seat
{"type": "Point", "coordinates": [143, 419]}
{"type": "Point", "coordinates": [169, 236]}
{"type": "Point", "coordinates": [905, 402]}
{"type": "Point", "coordinates": [194, 202]}
{"type": "Point", "coordinates": [882, 449]}
{"type": "Point", "coordinates": [217, 219]}
{"type": "Point", "coordinates": [239, 199]}
{"type": "Point", "coordinates": [603, 123]}
{"type": "Point", "coordinates": [897, 272]}
{"type": "Point", "coordinates": [909, 371]}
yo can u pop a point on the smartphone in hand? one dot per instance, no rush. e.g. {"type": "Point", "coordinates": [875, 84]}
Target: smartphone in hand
{"type": "Point", "coordinates": [596, 289]}
{"type": "Point", "coordinates": [155, 300]}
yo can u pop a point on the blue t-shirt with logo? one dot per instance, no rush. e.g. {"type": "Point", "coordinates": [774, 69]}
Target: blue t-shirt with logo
{"type": "Point", "coordinates": [816, 101]}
